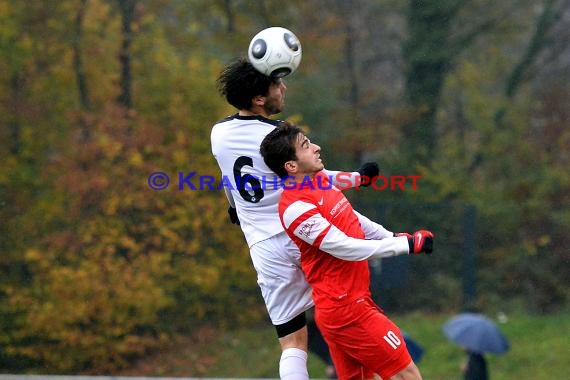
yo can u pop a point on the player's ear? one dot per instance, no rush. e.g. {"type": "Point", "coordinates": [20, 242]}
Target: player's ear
{"type": "Point", "coordinates": [291, 167]}
{"type": "Point", "coordinates": [258, 101]}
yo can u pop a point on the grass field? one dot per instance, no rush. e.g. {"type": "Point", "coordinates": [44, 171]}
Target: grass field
{"type": "Point", "coordinates": [540, 350]}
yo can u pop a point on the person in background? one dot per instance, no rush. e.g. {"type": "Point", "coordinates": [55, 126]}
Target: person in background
{"type": "Point", "coordinates": [476, 367]}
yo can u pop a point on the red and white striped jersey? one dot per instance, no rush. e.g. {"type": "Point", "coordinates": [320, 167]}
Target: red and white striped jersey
{"type": "Point", "coordinates": [335, 241]}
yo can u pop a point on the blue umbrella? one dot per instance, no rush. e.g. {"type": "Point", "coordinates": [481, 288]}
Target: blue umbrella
{"type": "Point", "coordinates": [476, 333]}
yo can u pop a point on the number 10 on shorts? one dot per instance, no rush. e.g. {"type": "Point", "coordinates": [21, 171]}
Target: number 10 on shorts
{"type": "Point", "coordinates": [392, 339]}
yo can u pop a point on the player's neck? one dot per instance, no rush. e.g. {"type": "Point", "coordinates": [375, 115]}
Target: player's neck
{"type": "Point", "coordinates": [253, 113]}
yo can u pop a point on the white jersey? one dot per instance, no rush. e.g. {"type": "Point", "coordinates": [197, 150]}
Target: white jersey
{"type": "Point", "coordinates": [250, 185]}
{"type": "Point", "coordinates": [235, 145]}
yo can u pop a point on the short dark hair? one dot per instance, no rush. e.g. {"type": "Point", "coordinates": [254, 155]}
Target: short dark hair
{"type": "Point", "coordinates": [278, 147]}
{"type": "Point", "coordinates": [239, 82]}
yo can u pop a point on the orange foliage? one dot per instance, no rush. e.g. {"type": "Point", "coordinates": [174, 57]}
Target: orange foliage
{"type": "Point", "coordinates": [126, 264]}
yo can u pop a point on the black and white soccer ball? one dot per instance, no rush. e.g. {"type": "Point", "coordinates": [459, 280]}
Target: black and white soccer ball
{"type": "Point", "coordinates": [275, 52]}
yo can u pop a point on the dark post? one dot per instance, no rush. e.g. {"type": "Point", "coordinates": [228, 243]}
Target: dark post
{"type": "Point", "coordinates": [469, 258]}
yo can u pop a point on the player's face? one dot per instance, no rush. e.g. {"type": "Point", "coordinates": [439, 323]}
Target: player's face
{"type": "Point", "coordinates": [275, 99]}
{"type": "Point", "coordinates": [308, 156]}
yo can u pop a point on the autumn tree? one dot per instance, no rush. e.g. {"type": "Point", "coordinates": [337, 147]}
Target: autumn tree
{"type": "Point", "coordinates": [115, 266]}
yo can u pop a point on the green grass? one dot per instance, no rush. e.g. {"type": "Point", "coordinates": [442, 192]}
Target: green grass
{"type": "Point", "coordinates": [540, 348]}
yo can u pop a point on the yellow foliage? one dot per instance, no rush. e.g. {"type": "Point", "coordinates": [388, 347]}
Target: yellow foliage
{"type": "Point", "coordinates": [126, 254]}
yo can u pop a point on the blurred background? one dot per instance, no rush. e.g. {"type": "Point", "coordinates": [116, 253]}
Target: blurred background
{"type": "Point", "coordinates": [97, 270]}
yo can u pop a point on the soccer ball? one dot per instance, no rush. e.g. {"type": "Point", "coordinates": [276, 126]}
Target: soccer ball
{"type": "Point", "coordinates": [275, 52]}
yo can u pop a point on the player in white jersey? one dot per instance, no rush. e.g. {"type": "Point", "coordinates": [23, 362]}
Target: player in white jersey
{"type": "Point", "coordinates": [253, 192]}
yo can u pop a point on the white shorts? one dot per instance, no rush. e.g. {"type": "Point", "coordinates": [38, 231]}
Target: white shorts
{"type": "Point", "coordinates": [279, 275]}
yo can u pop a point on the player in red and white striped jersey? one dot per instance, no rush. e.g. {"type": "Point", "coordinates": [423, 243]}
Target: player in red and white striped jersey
{"type": "Point", "coordinates": [335, 243]}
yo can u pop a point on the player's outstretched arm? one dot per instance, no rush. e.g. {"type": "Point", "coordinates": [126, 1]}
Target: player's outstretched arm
{"type": "Point", "coordinates": [342, 246]}
{"type": "Point", "coordinates": [371, 229]}
{"type": "Point", "coordinates": [361, 177]}
{"type": "Point", "coordinates": [303, 220]}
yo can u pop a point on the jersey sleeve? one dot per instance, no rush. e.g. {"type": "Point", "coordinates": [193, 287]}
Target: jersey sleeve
{"type": "Point", "coordinates": [343, 180]}
{"type": "Point", "coordinates": [372, 230]}
{"type": "Point", "coordinates": [303, 220]}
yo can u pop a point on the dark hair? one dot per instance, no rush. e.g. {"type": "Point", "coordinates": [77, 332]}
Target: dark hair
{"type": "Point", "coordinates": [239, 82]}
{"type": "Point", "coordinates": [278, 147]}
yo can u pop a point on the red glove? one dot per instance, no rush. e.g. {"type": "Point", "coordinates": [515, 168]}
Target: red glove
{"type": "Point", "coordinates": [421, 241]}
{"type": "Point", "coordinates": [403, 234]}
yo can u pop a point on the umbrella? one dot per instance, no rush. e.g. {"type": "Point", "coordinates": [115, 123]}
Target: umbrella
{"type": "Point", "coordinates": [476, 333]}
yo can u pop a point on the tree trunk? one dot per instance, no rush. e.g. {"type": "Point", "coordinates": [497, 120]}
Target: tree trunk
{"type": "Point", "coordinates": [79, 68]}
{"type": "Point", "coordinates": [428, 55]}
{"type": "Point", "coordinates": [230, 15]}
{"type": "Point", "coordinates": [15, 124]}
{"type": "Point", "coordinates": [540, 39]}
{"type": "Point", "coordinates": [127, 8]}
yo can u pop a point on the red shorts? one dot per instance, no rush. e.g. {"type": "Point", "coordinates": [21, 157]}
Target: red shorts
{"type": "Point", "coordinates": [362, 341]}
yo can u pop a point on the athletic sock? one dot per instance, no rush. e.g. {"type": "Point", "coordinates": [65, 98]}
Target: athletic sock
{"type": "Point", "coordinates": [293, 365]}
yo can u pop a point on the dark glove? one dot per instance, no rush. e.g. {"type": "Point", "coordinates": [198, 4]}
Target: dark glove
{"type": "Point", "coordinates": [368, 171]}
{"type": "Point", "coordinates": [233, 215]}
{"type": "Point", "coordinates": [421, 241]}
